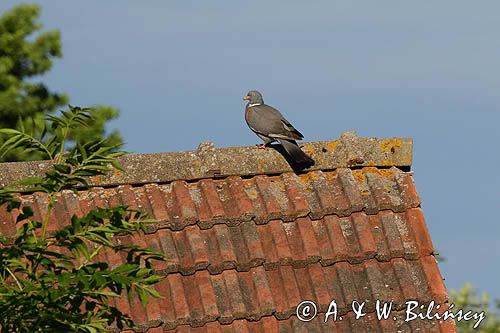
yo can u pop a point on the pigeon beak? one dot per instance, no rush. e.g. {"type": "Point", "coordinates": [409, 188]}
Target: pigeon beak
{"type": "Point", "coordinates": [246, 98]}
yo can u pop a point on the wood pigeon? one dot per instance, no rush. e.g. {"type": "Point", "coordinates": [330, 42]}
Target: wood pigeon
{"type": "Point", "coordinates": [270, 125]}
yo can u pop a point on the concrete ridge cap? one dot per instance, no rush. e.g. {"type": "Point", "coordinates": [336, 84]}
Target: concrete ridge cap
{"type": "Point", "coordinates": [349, 151]}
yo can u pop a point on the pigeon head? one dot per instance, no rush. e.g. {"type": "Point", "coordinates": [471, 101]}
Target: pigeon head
{"type": "Point", "coordinates": [254, 97]}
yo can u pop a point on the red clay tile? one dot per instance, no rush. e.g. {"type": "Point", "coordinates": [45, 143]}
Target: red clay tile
{"type": "Point", "coordinates": [361, 280]}
{"type": "Point", "coordinates": [137, 310]}
{"type": "Point", "coordinates": [7, 222]}
{"type": "Point", "coordinates": [341, 251]}
{"type": "Point", "coordinates": [279, 296]}
{"type": "Point", "coordinates": [391, 232]}
{"type": "Point", "coordinates": [304, 281]}
{"type": "Point", "coordinates": [419, 280]}
{"type": "Point", "coordinates": [406, 284]}
{"type": "Point", "coordinates": [269, 197]}
{"type": "Point", "coordinates": [351, 189]}
{"type": "Point", "coordinates": [385, 192]}
{"type": "Point", "coordinates": [156, 330]}
{"type": "Point", "coordinates": [210, 207]}
{"type": "Point", "coordinates": [268, 324]}
{"type": "Point", "coordinates": [85, 202]}
{"type": "Point", "coordinates": [72, 203]}
{"type": "Point", "coordinates": [263, 291]}
{"type": "Point", "coordinates": [249, 294]}
{"type": "Point", "coordinates": [157, 202]}
{"type": "Point", "coordinates": [253, 199]}
{"type": "Point", "coordinates": [298, 256]}
{"type": "Point", "coordinates": [167, 246]}
{"type": "Point", "coordinates": [226, 247]}
{"type": "Point", "coordinates": [308, 239]}
{"type": "Point", "coordinates": [183, 329]}
{"type": "Point", "coordinates": [216, 261]}
{"type": "Point", "coordinates": [197, 247]}
{"type": "Point", "coordinates": [207, 294]}
{"type": "Point", "coordinates": [345, 277]}
{"type": "Point", "coordinates": [183, 250]}
{"type": "Point", "coordinates": [240, 326]}
{"type": "Point", "coordinates": [143, 202]}
{"type": "Point", "coordinates": [154, 309]}
{"type": "Point", "coordinates": [364, 233]}
{"type": "Point", "coordinates": [184, 205]}
{"type": "Point", "coordinates": [375, 284]}
{"type": "Point", "coordinates": [178, 293]}
{"type": "Point", "coordinates": [434, 279]}
{"type": "Point", "coordinates": [240, 249]}
{"type": "Point", "coordinates": [235, 294]}
{"type": "Point", "coordinates": [112, 197]}
{"type": "Point", "coordinates": [406, 186]}
{"type": "Point", "coordinates": [268, 246]}
{"type": "Point", "coordinates": [60, 213]}
{"type": "Point", "coordinates": [292, 289]}
{"type": "Point", "coordinates": [214, 327]}
{"type": "Point", "coordinates": [383, 252]}
{"type": "Point", "coordinates": [323, 192]}
{"type": "Point", "coordinates": [253, 244]}
{"type": "Point", "coordinates": [194, 301]}
{"type": "Point", "coordinates": [342, 204]}
{"type": "Point", "coordinates": [322, 236]}
{"type": "Point", "coordinates": [348, 231]}
{"type": "Point", "coordinates": [417, 224]}
{"type": "Point", "coordinates": [127, 195]}
{"type": "Point", "coordinates": [262, 244]}
{"type": "Point", "coordinates": [319, 283]}
{"type": "Point", "coordinates": [407, 236]}
{"type": "Point", "coordinates": [221, 298]}
{"type": "Point", "coordinates": [306, 187]}
{"type": "Point", "coordinates": [294, 194]}
{"type": "Point", "coordinates": [240, 193]}
{"type": "Point", "coordinates": [166, 303]}
{"type": "Point", "coordinates": [280, 242]}
{"type": "Point", "coordinates": [41, 201]}
{"type": "Point", "coordinates": [233, 198]}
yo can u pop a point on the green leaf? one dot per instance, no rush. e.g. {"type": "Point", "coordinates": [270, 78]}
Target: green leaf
{"type": "Point", "coordinates": [10, 144]}
{"type": "Point", "coordinates": [61, 271]}
{"type": "Point", "coordinates": [31, 181]}
{"type": "Point", "coordinates": [9, 131]}
{"type": "Point", "coordinates": [124, 268]}
{"type": "Point", "coordinates": [143, 295]}
{"type": "Point", "coordinates": [63, 168]}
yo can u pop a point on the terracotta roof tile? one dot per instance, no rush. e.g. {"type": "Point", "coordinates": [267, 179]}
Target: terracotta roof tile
{"type": "Point", "coordinates": [201, 298]}
{"type": "Point", "coordinates": [245, 244]}
{"type": "Point", "coordinates": [368, 324]}
{"type": "Point", "coordinates": [262, 198]}
{"type": "Point", "coordinates": [245, 249]}
{"type": "Point", "coordinates": [8, 221]}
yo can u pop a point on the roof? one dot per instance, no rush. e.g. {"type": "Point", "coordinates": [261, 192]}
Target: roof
{"type": "Point", "coordinates": [248, 238]}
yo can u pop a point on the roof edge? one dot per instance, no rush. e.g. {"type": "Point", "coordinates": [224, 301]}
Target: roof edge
{"type": "Point", "coordinates": [206, 161]}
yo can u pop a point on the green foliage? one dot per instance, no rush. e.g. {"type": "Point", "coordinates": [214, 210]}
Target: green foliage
{"type": "Point", "coordinates": [52, 282]}
{"type": "Point", "coordinates": [96, 129]}
{"type": "Point", "coordinates": [21, 59]}
{"type": "Point", "coordinates": [24, 56]}
{"type": "Point", "coordinates": [468, 299]}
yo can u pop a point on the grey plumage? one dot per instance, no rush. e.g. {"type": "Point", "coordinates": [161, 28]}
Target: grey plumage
{"type": "Point", "coordinates": [270, 125]}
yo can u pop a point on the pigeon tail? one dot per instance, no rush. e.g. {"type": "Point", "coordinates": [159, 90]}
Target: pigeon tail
{"type": "Point", "coordinates": [297, 155]}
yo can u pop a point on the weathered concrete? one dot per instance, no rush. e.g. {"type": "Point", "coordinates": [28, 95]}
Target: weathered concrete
{"type": "Point", "coordinates": [207, 161]}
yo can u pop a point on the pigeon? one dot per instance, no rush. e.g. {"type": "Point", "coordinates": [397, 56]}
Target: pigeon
{"type": "Point", "coordinates": [270, 125]}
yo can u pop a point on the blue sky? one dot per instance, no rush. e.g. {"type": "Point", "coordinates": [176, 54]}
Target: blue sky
{"type": "Point", "coordinates": [426, 70]}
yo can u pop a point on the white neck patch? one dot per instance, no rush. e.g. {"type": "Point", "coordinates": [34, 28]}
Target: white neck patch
{"type": "Point", "coordinates": [254, 104]}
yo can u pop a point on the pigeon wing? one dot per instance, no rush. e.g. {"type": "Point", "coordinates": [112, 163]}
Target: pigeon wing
{"type": "Point", "coordinates": [268, 121]}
